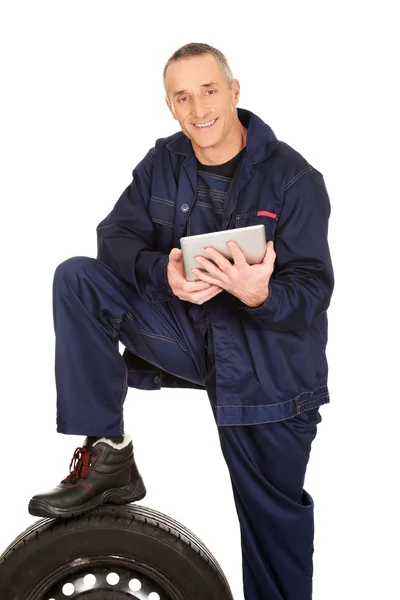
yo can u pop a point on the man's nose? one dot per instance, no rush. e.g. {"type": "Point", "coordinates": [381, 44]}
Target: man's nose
{"type": "Point", "coordinates": [199, 108]}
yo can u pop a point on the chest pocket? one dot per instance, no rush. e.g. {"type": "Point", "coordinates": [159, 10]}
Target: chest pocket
{"type": "Point", "coordinates": [162, 213]}
{"type": "Point", "coordinates": [260, 217]}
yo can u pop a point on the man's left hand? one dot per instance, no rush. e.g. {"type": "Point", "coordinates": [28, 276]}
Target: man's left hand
{"type": "Point", "coordinates": [247, 282]}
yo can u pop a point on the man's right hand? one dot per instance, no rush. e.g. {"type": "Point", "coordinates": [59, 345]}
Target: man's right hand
{"type": "Point", "coordinates": [197, 292]}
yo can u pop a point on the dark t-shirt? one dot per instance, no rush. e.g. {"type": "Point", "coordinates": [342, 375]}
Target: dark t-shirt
{"type": "Point", "coordinates": [226, 169]}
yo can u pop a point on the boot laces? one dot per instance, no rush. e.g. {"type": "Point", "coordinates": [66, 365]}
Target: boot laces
{"type": "Point", "coordinates": [79, 465]}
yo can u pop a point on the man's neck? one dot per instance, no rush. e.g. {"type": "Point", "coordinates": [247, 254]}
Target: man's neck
{"type": "Point", "coordinates": [216, 155]}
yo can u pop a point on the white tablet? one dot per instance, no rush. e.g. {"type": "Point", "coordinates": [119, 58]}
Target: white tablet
{"type": "Point", "coordinates": [251, 240]}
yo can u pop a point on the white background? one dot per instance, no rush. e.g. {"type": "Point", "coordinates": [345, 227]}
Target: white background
{"type": "Point", "coordinates": [81, 103]}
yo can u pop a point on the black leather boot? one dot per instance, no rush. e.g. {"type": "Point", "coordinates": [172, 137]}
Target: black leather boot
{"type": "Point", "coordinates": [99, 474]}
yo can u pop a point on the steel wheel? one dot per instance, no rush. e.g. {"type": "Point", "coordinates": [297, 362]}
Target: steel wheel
{"type": "Point", "coordinates": [106, 578]}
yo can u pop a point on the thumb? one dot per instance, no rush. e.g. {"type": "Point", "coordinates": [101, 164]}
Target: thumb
{"type": "Point", "coordinates": [175, 254]}
{"type": "Point", "coordinates": [269, 251]}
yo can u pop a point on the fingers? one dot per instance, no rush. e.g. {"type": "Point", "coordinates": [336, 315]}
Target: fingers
{"type": "Point", "coordinates": [194, 286]}
{"type": "Point", "coordinates": [185, 287]}
{"type": "Point", "coordinates": [201, 297]}
{"type": "Point", "coordinates": [219, 260]}
{"type": "Point", "coordinates": [237, 254]}
{"type": "Point", "coordinates": [176, 276]}
{"type": "Point", "coordinates": [207, 278]}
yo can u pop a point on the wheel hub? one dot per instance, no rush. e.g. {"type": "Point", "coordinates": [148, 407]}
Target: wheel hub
{"type": "Point", "coordinates": [113, 580]}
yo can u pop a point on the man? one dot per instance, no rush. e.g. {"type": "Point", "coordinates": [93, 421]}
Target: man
{"type": "Point", "coordinates": [253, 336]}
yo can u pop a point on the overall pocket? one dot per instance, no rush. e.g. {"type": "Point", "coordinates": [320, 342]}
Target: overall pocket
{"type": "Point", "coordinates": [260, 217]}
{"type": "Point", "coordinates": [162, 213]}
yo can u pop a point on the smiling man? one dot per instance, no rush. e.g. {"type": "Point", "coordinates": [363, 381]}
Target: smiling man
{"type": "Point", "coordinates": [253, 336]}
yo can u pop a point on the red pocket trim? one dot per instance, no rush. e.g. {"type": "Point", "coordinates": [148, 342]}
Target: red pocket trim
{"type": "Point", "coordinates": [265, 213]}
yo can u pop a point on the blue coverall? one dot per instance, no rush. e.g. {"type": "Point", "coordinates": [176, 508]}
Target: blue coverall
{"type": "Point", "coordinates": [264, 369]}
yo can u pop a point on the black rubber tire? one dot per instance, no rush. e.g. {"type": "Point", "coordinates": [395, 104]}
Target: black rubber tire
{"type": "Point", "coordinates": [147, 538]}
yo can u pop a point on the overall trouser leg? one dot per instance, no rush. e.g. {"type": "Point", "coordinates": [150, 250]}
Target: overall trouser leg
{"type": "Point", "coordinates": [267, 465]}
{"type": "Point", "coordinates": [94, 309]}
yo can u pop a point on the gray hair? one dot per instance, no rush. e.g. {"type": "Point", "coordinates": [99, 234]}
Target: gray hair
{"type": "Point", "coordinates": [196, 49]}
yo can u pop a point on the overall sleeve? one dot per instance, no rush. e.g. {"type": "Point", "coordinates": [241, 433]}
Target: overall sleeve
{"type": "Point", "coordinates": [126, 239]}
{"type": "Point", "coordinates": [302, 283]}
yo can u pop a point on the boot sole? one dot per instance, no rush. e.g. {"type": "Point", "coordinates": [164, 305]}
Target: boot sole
{"type": "Point", "coordinates": [123, 495]}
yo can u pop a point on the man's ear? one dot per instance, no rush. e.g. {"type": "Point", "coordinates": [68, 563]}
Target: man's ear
{"type": "Point", "coordinates": [171, 108]}
{"type": "Point", "coordinates": [236, 91]}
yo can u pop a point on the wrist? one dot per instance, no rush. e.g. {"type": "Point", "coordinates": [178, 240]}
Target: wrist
{"type": "Point", "coordinates": [257, 302]}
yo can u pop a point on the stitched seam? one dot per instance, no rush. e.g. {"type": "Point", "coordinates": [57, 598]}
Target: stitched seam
{"type": "Point", "coordinates": [208, 192]}
{"type": "Point", "coordinates": [151, 158]}
{"type": "Point", "coordinates": [208, 205]}
{"type": "Point", "coordinates": [160, 222]}
{"type": "Point", "coordinates": [303, 172]}
{"type": "Point", "coordinates": [144, 371]}
{"type": "Point", "coordinates": [251, 214]}
{"type": "Point", "coordinates": [87, 487]}
{"type": "Point", "coordinates": [163, 338]}
{"type": "Point", "coordinates": [124, 388]}
{"type": "Point", "coordinates": [163, 200]}
{"type": "Point", "coordinates": [208, 196]}
{"type": "Point", "coordinates": [207, 377]}
{"type": "Point", "coordinates": [173, 141]}
{"type": "Point", "coordinates": [110, 474]}
{"type": "Point", "coordinates": [258, 422]}
{"type": "Point", "coordinates": [105, 226]}
{"type": "Point", "coordinates": [312, 398]}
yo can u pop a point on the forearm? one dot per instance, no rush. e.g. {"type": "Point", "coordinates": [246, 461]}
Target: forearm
{"type": "Point", "coordinates": [291, 305]}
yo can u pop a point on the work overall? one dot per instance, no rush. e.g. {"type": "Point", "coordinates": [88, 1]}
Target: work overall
{"type": "Point", "coordinates": [94, 309]}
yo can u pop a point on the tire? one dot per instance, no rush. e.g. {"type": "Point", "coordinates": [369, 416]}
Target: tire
{"type": "Point", "coordinates": [155, 558]}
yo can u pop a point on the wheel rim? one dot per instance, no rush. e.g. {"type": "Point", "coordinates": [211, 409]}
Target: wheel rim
{"type": "Point", "coordinates": [105, 578]}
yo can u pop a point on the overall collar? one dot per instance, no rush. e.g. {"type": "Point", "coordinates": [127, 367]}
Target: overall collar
{"type": "Point", "coordinates": [260, 141]}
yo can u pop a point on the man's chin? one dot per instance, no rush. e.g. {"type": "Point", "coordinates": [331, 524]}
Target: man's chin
{"type": "Point", "coordinates": [203, 144]}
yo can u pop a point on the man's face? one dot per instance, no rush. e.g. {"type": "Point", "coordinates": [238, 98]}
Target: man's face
{"type": "Point", "coordinates": [192, 101]}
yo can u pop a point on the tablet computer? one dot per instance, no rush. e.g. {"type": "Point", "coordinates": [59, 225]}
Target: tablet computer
{"type": "Point", "coordinates": [251, 241]}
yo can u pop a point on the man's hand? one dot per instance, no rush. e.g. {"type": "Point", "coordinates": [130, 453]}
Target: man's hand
{"type": "Point", "coordinates": [197, 292]}
{"type": "Point", "coordinates": [247, 282]}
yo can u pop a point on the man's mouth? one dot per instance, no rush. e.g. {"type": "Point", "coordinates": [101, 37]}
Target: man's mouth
{"type": "Point", "coordinates": [206, 125]}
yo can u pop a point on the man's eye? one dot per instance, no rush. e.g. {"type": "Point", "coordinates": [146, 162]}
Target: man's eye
{"type": "Point", "coordinates": [208, 91]}
{"type": "Point", "coordinates": [184, 98]}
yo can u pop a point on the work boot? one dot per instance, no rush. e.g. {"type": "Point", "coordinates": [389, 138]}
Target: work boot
{"type": "Point", "coordinates": [99, 474]}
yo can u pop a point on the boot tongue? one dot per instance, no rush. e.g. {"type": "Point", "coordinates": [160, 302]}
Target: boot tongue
{"type": "Point", "coordinates": [90, 442]}
{"type": "Point", "coordinates": [112, 441]}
